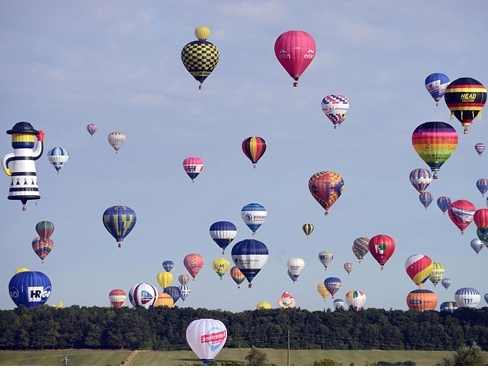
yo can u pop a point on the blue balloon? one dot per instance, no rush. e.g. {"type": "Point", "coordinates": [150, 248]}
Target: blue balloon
{"type": "Point", "coordinates": [29, 288]}
{"type": "Point", "coordinates": [253, 215]}
{"type": "Point", "coordinates": [223, 233]}
{"type": "Point", "coordinates": [443, 203]}
{"type": "Point", "coordinates": [436, 84]}
{"type": "Point", "coordinates": [168, 265]}
{"type": "Point", "coordinates": [249, 256]}
{"type": "Point", "coordinates": [332, 284]}
{"type": "Point", "coordinates": [448, 306]}
{"type": "Point", "coordinates": [174, 292]}
{"type": "Point", "coordinates": [119, 222]}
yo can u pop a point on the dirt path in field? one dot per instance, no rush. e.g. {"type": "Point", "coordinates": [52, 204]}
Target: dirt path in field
{"type": "Point", "coordinates": [130, 357]}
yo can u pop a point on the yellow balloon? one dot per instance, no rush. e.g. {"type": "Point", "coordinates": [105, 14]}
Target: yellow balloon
{"type": "Point", "coordinates": [324, 293]}
{"type": "Point", "coordinates": [221, 266]}
{"type": "Point", "coordinates": [164, 279]}
{"type": "Point", "coordinates": [263, 305]}
{"type": "Point", "coordinates": [164, 300]}
{"type": "Point", "coordinates": [202, 33]}
{"type": "Point", "coordinates": [20, 269]}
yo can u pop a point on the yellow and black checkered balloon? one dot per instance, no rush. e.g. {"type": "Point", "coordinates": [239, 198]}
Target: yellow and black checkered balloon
{"type": "Point", "coordinates": [200, 58]}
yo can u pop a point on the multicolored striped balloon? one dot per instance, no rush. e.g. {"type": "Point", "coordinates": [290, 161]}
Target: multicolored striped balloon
{"type": "Point", "coordinates": [254, 148]}
{"type": "Point", "coordinates": [443, 203]}
{"type": "Point", "coordinates": [326, 187]}
{"type": "Point", "coordinates": [426, 199]}
{"type": "Point", "coordinates": [335, 107]}
{"type": "Point", "coordinates": [356, 299]}
{"type": "Point", "coordinates": [42, 247]}
{"type": "Point", "coordinates": [437, 273]}
{"type": "Point", "coordinates": [193, 166]}
{"type": "Point", "coordinates": [360, 247]}
{"type": "Point", "coordinates": [419, 267]}
{"type": "Point", "coordinates": [420, 179]}
{"type": "Point", "coordinates": [58, 156]}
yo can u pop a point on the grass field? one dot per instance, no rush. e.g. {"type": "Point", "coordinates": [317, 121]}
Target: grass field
{"type": "Point", "coordinates": [188, 358]}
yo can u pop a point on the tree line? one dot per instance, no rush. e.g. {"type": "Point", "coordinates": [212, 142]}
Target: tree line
{"type": "Point", "coordinates": [164, 328]}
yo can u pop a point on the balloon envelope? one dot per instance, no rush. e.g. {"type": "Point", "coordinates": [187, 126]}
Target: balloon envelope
{"type": "Point", "coordinates": [356, 299]}
{"type": "Point", "coordinates": [116, 140]}
{"type": "Point", "coordinates": [436, 84]}
{"type": "Point", "coordinates": [263, 305]}
{"type": "Point", "coordinates": [477, 245]}
{"type": "Point", "coordinates": [164, 300]}
{"type": "Point", "coordinates": [482, 185]}
{"type": "Point", "coordinates": [325, 257]}
{"type": "Point", "coordinates": [193, 166]}
{"type": "Point", "coordinates": [467, 297]}
{"type": "Point", "coordinates": [426, 199]}
{"type": "Point", "coordinates": [443, 203]}
{"type": "Point", "coordinates": [42, 248]}
{"type": "Point", "coordinates": [326, 187]}
{"type": "Point", "coordinates": [480, 148]}
{"type": "Point", "coordinates": [419, 267]}
{"type": "Point", "coordinates": [307, 229]}
{"type": "Point", "coordinates": [58, 156]}
{"type": "Point", "coordinates": [420, 179]}
{"type": "Point", "coordinates": [338, 304]}
{"type": "Point", "coordinates": [253, 215]}
{"type": "Point", "coordinates": [193, 263]}
{"type": "Point", "coordinates": [223, 233]}
{"type": "Point", "coordinates": [164, 279]}
{"type": "Point", "coordinates": [446, 282]}
{"type": "Point", "coordinates": [206, 337]}
{"type": "Point", "coordinates": [437, 273]}
{"type": "Point", "coordinates": [322, 290]}
{"type": "Point", "coordinates": [254, 148]}
{"type": "Point", "coordinates": [461, 213]}
{"type": "Point", "coordinates": [168, 265]}
{"type": "Point", "coordinates": [143, 295]}
{"type": "Point", "coordinates": [250, 256]}
{"type": "Point", "coordinates": [119, 222]}
{"type": "Point", "coordinates": [221, 266]}
{"type": "Point", "coordinates": [29, 288]}
{"type": "Point", "coordinates": [335, 107]}
{"type": "Point", "coordinates": [421, 300]}
{"type": "Point", "coordinates": [237, 276]}
{"type": "Point", "coordinates": [45, 229]}
{"type": "Point", "coordinates": [332, 284]}
{"type": "Point", "coordinates": [381, 247]}
{"type": "Point", "coordinates": [117, 298]}
{"type": "Point", "coordinates": [91, 128]}
{"type": "Point", "coordinates": [295, 267]}
{"type": "Point", "coordinates": [450, 306]}
{"type": "Point", "coordinates": [360, 247]}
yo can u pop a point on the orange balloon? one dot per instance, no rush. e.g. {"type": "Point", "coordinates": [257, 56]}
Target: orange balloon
{"type": "Point", "coordinates": [193, 263]}
{"type": "Point", "coordinates": [421, 300]}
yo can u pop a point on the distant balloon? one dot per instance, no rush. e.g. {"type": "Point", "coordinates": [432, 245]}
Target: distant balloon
{"type": "Point", "coordinates": [29, 288]}
{"type": "Point", "coordinates": [422, 300]}
{"type": "Point", "coordinates": [443, 203]}
{"type": "Point", "coordinates": [116, 140]}
{"type": "Point", "coordinates": [307, 229]}
{"type": "Point", "coordinates": [326, 187]}
{"type": "Point", "coordinates": [183, 279]}
{"type": "Point", "coordinates": [223, 233]}
{"type": "Point", "coordinates": [446, 282]}
{"type": "Point", "coordinates": [164, 279]}
{"type": "Point", "coordinates": [486, 297]}
{"type": "Point", "coordinates": [193, 263]}
{"type": "Point", "coordinates": [477, 245]}
{"type": "Point", "coordinates": [426, 199]}
{"type": "Point", "coordinates": [381, 248]}
{"type": "Point", "coordinates": [286, 301]}
{"type": "Point", "coordinates": [482, 237]}
{"type": "Point", "coordinates": [117, 298]}
{"type": "Point", "coordinates": [237, 276]}
{"type": "Point", "coordinates": [168, 265]}
{"type": "Point", "coordinates": [42, 248]}
{"type": "Point", "coordinates": [434, 142]}
{"type": "Point", "coordinates": [221, 266]}
{"type": "Point", "coordinates": [206, 337]}
{"type": "Point", "coordinates": [322, 290]}
{"type": "Point", "coordinates": [253, 215]}
{"type": "Point", "coordinates": [143, 295]}
{"type": "Point", "coordinates": [419, 268]}
{"type": "Point", "coordinates": [480, 219]}
{"type": "Point", "coordinates": [164, 300]}
{"type": "Point", "coordinates": [326, 257]}
{"type": "Point", "coordinates": [174, 292]}
{"type": "Point", "coordinates": [465, 97]}
{"type": "Point", "coordinates": [461, 213]}
{"type": "Point", "coordinates": [482, 185]}
{"type": "Point", "coordinates": [254, 148]}
{"type": "Point", "coordinates": [480, 148]}
{"type": "Point", "coordinates": [335, 108]}
{"type": "Point", "coordinates": [193, 166]}
{"type": "Point", "coordinates": [57, 156]}
{"type": "Point", "coordinates": [21, 269]}
{"type": "Point", "coordinates": [295, 267]}
{"type": "Point", "coordinates": [119, 222]}
{"type": "Point", "coordinates": [92, 128]}
{"type": "Point", "coordinates": [360, 247]}
{"type": "Point", "coordinates": [348, 266]}
{"type": "Point", "coordinates": [295, 50]}
{"type": "Point", "coordinates": [448, 306]}
{"type": "Point", "coordinates": [420, 179]}
{"type": "Point", "coordinates": [332, 284]}
{"type": "Point", "coordinates": [250, 256]}
{"type": "Point", "coordinates": [45, 229]}
{"type": "Point", "coordinates": [467, 297]}
{"type": "Point", "coordinates": [263, 305]}
{"type": "Point", "coordinates": [436, 84]}
{"type": "Point", "coordinates": [184, 291]}
{"type": "Point", "coordinates": [356, 299]}
{"type": "Point", "coordinates": [338, 304]}
{"type": "Point", "coordinates": [437, 273]}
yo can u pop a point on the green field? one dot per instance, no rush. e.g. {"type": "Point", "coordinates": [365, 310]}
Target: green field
{"type": "Point", "coordinates": [181, 358]}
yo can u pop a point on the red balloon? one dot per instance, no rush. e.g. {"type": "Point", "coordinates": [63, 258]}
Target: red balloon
{"type": "Point", "coordinates": [480, 218]}
{"type": "Point", "coordinates": [193, 263]}
{"type": "Point", "coordinates": [461, 213]}
{"type": "Point", "coordinates": [381, 248]}
{"type": "Point", "coordinates": [295, 51]}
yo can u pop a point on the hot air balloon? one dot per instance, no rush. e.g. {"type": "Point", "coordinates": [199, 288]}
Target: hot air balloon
{"type": "Point", "coordinates": [307, 229]}
{"type": "Point", "coordinates": [325, 257]}
{"type": "Point", "coordinates": [92, 128]}
{"type": "Point", "coordinates": [338, 304]}
{"type": "Point", "coordinates": [174, 292]}
{"type": "Point", "coordinates": [434, 142]}
{"type": "Point", "coordinates": [45, 229]}
{"type": "Point", "coordinates": [164, 300]}
{"type": "Point", "coordinates": [436, 84]}
{"type": "Point", "coordinates": [164, 279]}
{"type": "Point", "coordinates": [381, 248]}
{"type": "Point", "coordinates": [356, 299]}
{"type": "Point", "coordinates": [461, 213]}
{"type": "Point", "coordinates": [119, 222]}
{"type": "Point", "coordinates": [253, 215]}
{"type": "Point", "coordinates": [223, 233]}
{"type": "Point", "coordinates": [467, 297]}
{"type": "Point", "coordinates": [21, 269]}
{"type": "Point", "coordinates": [200, 57]}
{"type": "Point", "coordinates": [57, 156]}
{"type": "Point", "coordinates": [465, 97]}
{"type": "Point", "coordinates": [286, 301]}
{"type": "Point", "coordinates": [168, 265]}
{"type": "Point", "coordinates": [482, 237]}
{"type": "Point", "coordinates": [295, 267]}
{"type": "Point", "coordinates": [332, 284]}
{"type": "Point", "coordinates": [193, 263]}
{"type": "Point", "coordinates": [420, 179]}
{"type": "Point", "coordinates": [143, 295]}
{"type": "Point", "coordinates": [426, 199]}
{"type": "Point", "coordinates": [263, 305]}
{"type": "Point", "coordinates": [348, 266]}
{"type": "Point", "coordinates": [42, 248]}
{"type": "Point", "coordinates": [322, 290]}
{"type": "Point", "coordinates": [221, 266]}
{"type": "Point", "coordinates": [183, 279]}
{"type": "Point", "coordinates": [477, 245]}
{"type": "Point", "coordinates": [443, 203]}
{"type": "Point", "coordinates": [335, 108]}
{"type": "Point", "coordinates": [446, 282]}
{"type": "Point", "coordinates": [480, 148]}
{"type": "Point", "coordinates": [193, 166]}
{"type": "Point", "coordinates": [450, 306]}
{"type": "Point", "coordinates": [360, 247]}
{"type": "Point", "coordinates": [184, 291]}
{"type": "Point", "coordinates": [326, 187]}
{"type": "Point", "coordinates": [254, 148]}
{"type": "Point", "coordinates": [422, 300]}
{"type": "Point", "coordinates": [419, 268]}
{"type": "Point", "coordinates": [437, 273]}
{"type": "Point", "coordinates": [295, 51]}
{"type": "Point", "coordinates": [206, 337]}
{"type": "Point", "coordinates": [29, 288]}
{"type": "Point", "coordinates": [116, 140]}
{"type": "Point", "coordinates": [117, 298]}
{"type": "Point", "coordinates": [482, 185]}
{"type": "Point", "coordinates": [237, 276]}
{"type": "Point", "coordinates": [486, 297]}
{"type": "Point", "coordinates": [250, 256]}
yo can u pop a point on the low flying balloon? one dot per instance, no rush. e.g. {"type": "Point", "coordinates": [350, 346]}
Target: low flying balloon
{"type": "Point", "coordinates": [184, 291]}
{"type": "Point", "coordinates": [250, 256]}
{"type": "Point", "coordinates": [254, 148]}
{"type": "Point", "coordinates": [356, 299]}
{"type": "Point", "coordinates": [326, 187]}
{"type": "Point", "coordinates": [193, 166]}
{"type": "Point", "coordinates": [58, 156]}
{"type": "Point", "coordinates": [338, 304]}
{"type": "Point", "coordinates": [360, 247]}
{"type": "Point", "coordinates": [437, 273]}
{"type": "Point", "coordinates": [42, 248]}
{"type": "Point", "coordinates": [200, 57]}
{"type": "Point", "coordinates": [348, 266]}
{"type": "Point", "coordinates": [482, 237]}
{"type": "Point", "coordinates": [117, 298]}
{"type": "Point", "coordinates": [237, 276]}
{"type": "Point", "coordinates": [253, 215]}
{"type": "Point", "coordinates": [92, 129]}
{"type": "Point", "coordinates": [223, 233]}
{"type": "Point", "coordinates": [295, 51]}
{"type": "Point", "coordinates": [420, 179]}
{"type": "Point", "coordinates": [193, 263]}
{"type": "Point", "coordinates": [119, 222]}
{"type": "Point", "coordinates": [164, 300]}
{"type": "Point", "coordinates": [419, 268]}
{"type": "Point", "coordinates": [45, 229]}
{"type": "Point", "coordinates": [480, 148]}
{"type": "Point", "coordinates": [335, 108]}
{"type": "Point", "coordinates": [381, 247]}
{"type": "Point", "coordinates": [29, 288]}
{"type": "Point", "coordinates": [486, 297]}
{"type": "Point", "coordinates": [164, 279]}
{"type": "Point", "coordinates": [168, 265]}
{"type": "Point", "coordinates": [482, 185]}
{"type": "Point", "coordinates": [326, 257]}
{"type": "Point", "coordinates": [426, 199]}
{"type": "Point", "coordinates": [295, 267]}
{"type": "Point", "coordinates": [467, 297]}
{"type": "Point", "coordinates": [422, 300]}
{"type": "Point", "coordinates": [434, 142]}
{"type": "Point", "coordinates": [21, 269]}
{"type": "Point", "coordinates": [446, 282]}
{"type": "Point", "coordinates": [322, 290]}
{"type": "Point", "coordinates": [174, 292]}
{"type": "Point", "coordinates": [332, 284]}
{"type": "Point", "coordinates": [206, 337]}
{"type": "Point", "coordinates": [143, 295]}
{"type": "Point", "coordinates": [221, 266]}
{"type": "Point", "coordinates": [461, 213]}
{"type": "Point", "coordinates": [450, 306]}
{"type": "Point", "coordinates": [307, 229]}
{"type": "Point", "coordinates": [436, 84]}
{"type": "Point", "coordinates": [443, 203]}
{"type": "Point", "coordinates": [477, 245]}
{"type": "Point", "coordinates": [286, 301]}
{"type": "Point", "coordinates": [263, 305]}
{"type": "Point", "coordinates": [465, 97]}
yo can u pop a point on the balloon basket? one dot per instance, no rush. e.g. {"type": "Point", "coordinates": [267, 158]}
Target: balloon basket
{"type": "Point", "coordinates": [295, 84]}
{"type": "Point", "coordinates": [250, 286]}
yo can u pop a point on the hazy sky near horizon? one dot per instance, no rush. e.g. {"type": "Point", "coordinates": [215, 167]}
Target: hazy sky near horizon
{"type": "Point", "coordinates": [64, 65]}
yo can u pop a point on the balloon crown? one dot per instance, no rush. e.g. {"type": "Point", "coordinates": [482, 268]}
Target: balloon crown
{"type": "Point", "coordinates": [23, 127]}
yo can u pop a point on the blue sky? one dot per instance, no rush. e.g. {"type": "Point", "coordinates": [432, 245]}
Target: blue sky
{"type": "Point", "coordinates": [117, 65]}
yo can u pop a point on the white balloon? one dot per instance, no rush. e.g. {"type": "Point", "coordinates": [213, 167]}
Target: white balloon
{"type": "Point", "coordinates": [206, 338]}
{"type": "Point", "coordinates": [295, 267]}
{"type": "Point", "coordinates": [467, 297]}
{"type": "Point", "coordinates": [143, 295]}
{"type": "Point", "coordinates": [116, 140]}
